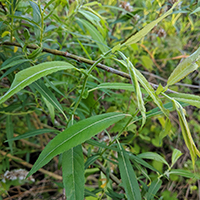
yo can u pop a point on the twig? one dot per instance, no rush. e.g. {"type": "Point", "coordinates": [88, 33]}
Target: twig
{"type": "Point", "coordinates": [26, 164]}
{"type": "Point", "coordinates": [81, 59]}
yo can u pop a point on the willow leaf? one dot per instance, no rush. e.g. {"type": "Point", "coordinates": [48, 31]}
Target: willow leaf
{"type": "Point", "coordinates": [129, 179]}
{"type": "Point", "coordinates": [31, 74]}
{"type": "Point", "coordinates": [75, 135]}
{"type": "Point", "coordinates": [73, 173]}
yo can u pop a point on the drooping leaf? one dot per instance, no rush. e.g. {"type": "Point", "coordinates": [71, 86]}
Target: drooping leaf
{"type": "Point", "coordinates": [73, 173]}
{"type": "Point", "coordinates": [136, 86]}
{"type": "Point", "coordinates": [194, 152]}
{"type": "Point", "coordinates": [139, 35]}
{"type": "Point", "coordinates": [46, 93]}
{"type": "Point", "coordinates": [31, 74]}
{"type": "Point", "coordinates": [96, 36]}
{"type": "Point", "coordinates": [75, 135]}
{"type": "Point", "coordinates": [129, 179]}
{"type": "Point", "coordinates": [148, 88]}
{"type": "Point", "coordinates": [153, 156]}
{"type": "Point", "coordinates": [190, 64]}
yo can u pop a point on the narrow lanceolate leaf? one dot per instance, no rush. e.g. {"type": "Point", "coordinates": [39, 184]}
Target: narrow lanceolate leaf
{"type": "Point", "coordinates": [49, 96]}
{"type": "Point", "coordinates": [33, 133]}
{"type": "Point", "coordinates": [148, 89]}
{"type": "Point", "coordinates": [73, 173]}
{"type": "Point", "coordinates": [139, 35]}
{"type": "Point", "coordinates": [31, 74]}
{"type": "Point", "coordinates": [194, 152]}
{"type": "Point", "coordinates": [96, 36]}
{"type": "Point", "coordinates": [143, 81]}
{"type": "Point", "coordinates": [115, 86]}
{"type": "Point", "coordinates": [9, 132]}
{"type": "Point", "coordinates": [129, 179]}
{"type": "Point", "coordinates": [185, 173]}
{"type": "Point", "coordinates": [191, 99]}
{"type": "Point", "coordinates": [75, 135]}
{"type": "Point", "coordinates": [190, 64]}
{"type": "Point", "coordinates": [153, 189]}
{"type": "Point", "coordinates": [136, 87]}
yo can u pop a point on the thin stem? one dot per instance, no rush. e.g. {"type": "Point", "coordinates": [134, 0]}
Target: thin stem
{"type": "Point", "coordinates": [85, 82]}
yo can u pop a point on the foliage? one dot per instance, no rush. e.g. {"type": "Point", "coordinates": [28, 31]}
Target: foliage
{"type": "Point", "coordinates": [76, 94]}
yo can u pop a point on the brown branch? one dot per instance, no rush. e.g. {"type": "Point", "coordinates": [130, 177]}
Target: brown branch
{"type": "Point", "coordinates": [81, 59]}
{"type": "Point", "coordinates": [26, 164]}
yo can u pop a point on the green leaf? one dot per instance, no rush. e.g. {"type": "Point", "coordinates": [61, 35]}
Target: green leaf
{"type": "Point", "coordinates": [17, 62]}
{"type": "Point", "coordinates": [96, 36]}
{"type": "Point", "coordinates": [28, 76]}
{"type": "Point", "coordinates": [50, 108]}
{"type": "Point", "coordinates": [9, 132]}
{"type": "Point", "coordinates": [190, 64]}
{"type": "Point", "coordinates": [115, 86]}
{"type": "Point", "coordinates": [153, 156]}
{"type": "Point", "coordinates": [142, 162]}
{"type": "Point", "coordinates": [148, 89]}
{"type": "Point", "coordinates": [195, 11]}
{"type": "Point", "coordinates": [132, 72]}
{"type": "Point", "coordinates": [33, 133]}
{"type": "Point", "coordinates": [191, 99]}
{"type": "Point", "coordinates": [186, 132]}
{"type": "Point", "coordinates": [139, 35]}
{"type": "Point", "coordinates": [75, 135]}
{"type": "Point", "coordinates": [175, 156]}
{"type": "Point", "coordinates": [73, 173]}
{"type": "Point", "coordinates": [48, 95]}
{"type": "Point", "coordinates": [36, 12]}
{"type": "Point", "coordinates": [185, 173]}
{"type": "Point", "coordinates": [153, 189]}
{"type": "Point", "coordinates": [129, 179]}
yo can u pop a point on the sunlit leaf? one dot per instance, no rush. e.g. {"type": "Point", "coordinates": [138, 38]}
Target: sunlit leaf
{"type": "Point", "coordinates": [139, 35]}
{"type": "Point", "coordinates": [31, 74]}
{"type": "Point", "coordinates": [190, 64]}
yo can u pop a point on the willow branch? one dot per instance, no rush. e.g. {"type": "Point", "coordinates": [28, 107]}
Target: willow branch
{"type": "Point", "coordinates": [81, 59]}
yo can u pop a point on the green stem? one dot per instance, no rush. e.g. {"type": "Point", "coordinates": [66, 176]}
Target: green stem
{"type": "Point", "coordinates": [85, 82]}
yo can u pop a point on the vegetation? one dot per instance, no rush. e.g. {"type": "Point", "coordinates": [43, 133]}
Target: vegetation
{"type": "Point", "coordinates": [99, 99]}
